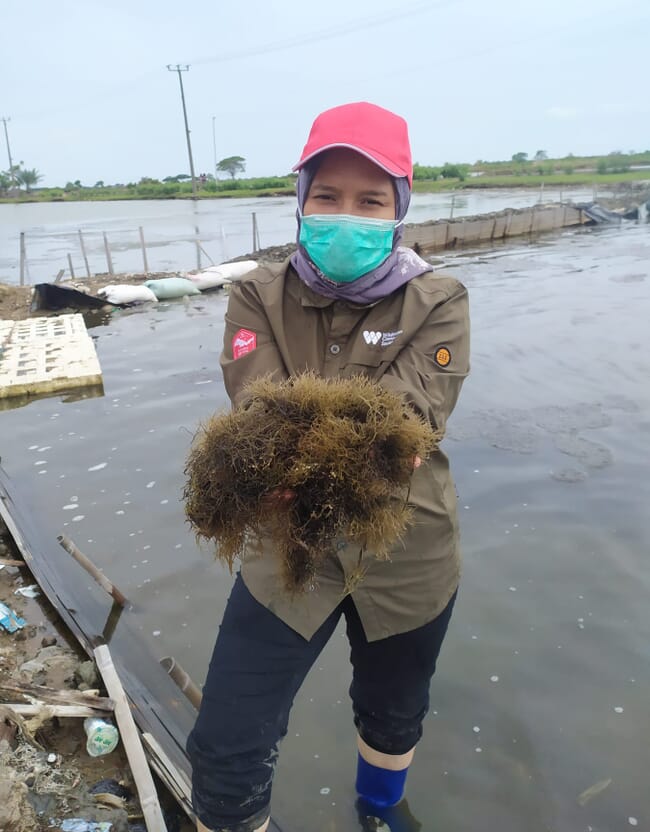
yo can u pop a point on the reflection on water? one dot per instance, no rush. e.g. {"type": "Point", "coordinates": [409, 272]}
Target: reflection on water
{"type": "Point", "coordinates": [544, 681]}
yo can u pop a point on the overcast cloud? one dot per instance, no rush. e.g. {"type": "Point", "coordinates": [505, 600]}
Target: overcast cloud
{"type": "Point", "coordinates": [89, 96]}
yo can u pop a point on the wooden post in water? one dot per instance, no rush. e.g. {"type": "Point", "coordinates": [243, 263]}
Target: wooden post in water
{"type": "Point", "coordinates": [70, 266]}
{"type": "Point", "coordinates": [23, 258]}
{"type": "Point", "coordinates": [541, 193]}
{"type": "Point", "coordinates": [92, 570]}
{"type": "Point", "coordinates": [197, 242]}
{"type": "Point", "coordinates": [83, 252]}
{"type": "Point", "coordinates": [144, 250]}
{"type": "Point", "coordinates": [256, 234]}
{"type": "Point", "coordinates": [453, 203]}
{"type": "Point", "coordinates": [506, 230]}
{"type": "Point", "coordinates": [109, 260]}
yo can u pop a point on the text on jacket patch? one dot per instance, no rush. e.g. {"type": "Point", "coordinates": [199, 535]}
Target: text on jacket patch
{"type": "Point", "coordinates": [385, 339]}
{"type": "Point", "coordinates": [243, 342]}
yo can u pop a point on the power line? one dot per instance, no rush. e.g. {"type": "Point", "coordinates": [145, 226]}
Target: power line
{"type": "Point", "coordinates": [349, 28]}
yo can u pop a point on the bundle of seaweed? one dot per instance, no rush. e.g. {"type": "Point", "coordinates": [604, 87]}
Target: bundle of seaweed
{"type": "Point", "coordinates": [305, 462]}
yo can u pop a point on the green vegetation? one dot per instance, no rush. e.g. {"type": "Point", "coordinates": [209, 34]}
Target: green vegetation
{"type": "Point", "coordinates": [519, 171]}
{"type": "Point", "coordinates": [232, 165]}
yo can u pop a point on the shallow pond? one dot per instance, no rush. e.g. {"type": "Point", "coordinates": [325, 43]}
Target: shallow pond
{"type": "Point", "coordinates": [543, 687]}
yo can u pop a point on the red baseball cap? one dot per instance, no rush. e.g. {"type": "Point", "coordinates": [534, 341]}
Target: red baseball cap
{"type": "Point", "coordinates": [376, 133]}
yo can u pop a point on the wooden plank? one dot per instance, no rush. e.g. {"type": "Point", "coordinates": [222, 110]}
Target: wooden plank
{"type": "Point", "coordinates": [145, 786]}
{"type": "Point", "coordinates": [40, 693]}
{"type": "Point", "coordinates": [49, 711]}
{"type": "Point", "coordinates": [168, 773]}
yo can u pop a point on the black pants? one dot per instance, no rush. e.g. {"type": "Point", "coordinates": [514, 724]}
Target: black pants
{"type": "Point", "coordinates": [258, 666]}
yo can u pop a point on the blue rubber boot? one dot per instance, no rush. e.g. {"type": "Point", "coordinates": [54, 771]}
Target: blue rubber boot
{"type": "Point", "coordinates": [379, 786]}
{"type": "Point", "coordinates": [397, 818]}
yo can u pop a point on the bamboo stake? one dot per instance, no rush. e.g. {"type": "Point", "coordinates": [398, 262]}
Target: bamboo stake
{"type": "Point", "coordinates": [146, 789]}
{"type": "Point", "coordinates": [144, 250]}
{"type": "Point", "coordinates": [70, 266]}
{"type": "Point", "coordinates": [109, 259]}
{"type": "Point", "coordinates": [92, 570]}
{"type": "Point", "coordinates": [183, 680]}
{"type": "Point", "coordinates": [83, 252]}
{"type": "Point", "coordinates": [23, 258]}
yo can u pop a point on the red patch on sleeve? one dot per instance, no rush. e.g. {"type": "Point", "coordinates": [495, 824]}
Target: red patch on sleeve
{"type": "Point", "coordinates": [243, 342]}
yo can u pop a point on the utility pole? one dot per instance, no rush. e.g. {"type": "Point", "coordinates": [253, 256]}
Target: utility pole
{"type": "Point", "coordinates": [214, 148]}
{"type": "Point", "coordinates": [185, 68]}
{"type": "Point", "coordinates": [12, 174]}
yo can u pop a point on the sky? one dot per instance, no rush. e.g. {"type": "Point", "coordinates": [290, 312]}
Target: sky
{"type": "Point", "coordinates": [89, 95]}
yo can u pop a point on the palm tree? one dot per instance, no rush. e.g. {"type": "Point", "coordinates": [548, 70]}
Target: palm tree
{"type": "Point", "coordinates": [28, 178]}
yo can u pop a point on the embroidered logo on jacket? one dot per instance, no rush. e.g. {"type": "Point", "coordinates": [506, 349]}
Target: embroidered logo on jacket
{"type": "Point", "coordinates": [386, 338]}
{"type": "Point", "coordinates": [442, 356]}
{"type": "Point", "coordinates": [243, 342]}
{"type": "Point", "coordinates": [371, 337]}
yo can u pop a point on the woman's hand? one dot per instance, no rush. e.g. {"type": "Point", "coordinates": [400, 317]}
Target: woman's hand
{"type": "Point", "coordinates": [416, 462]}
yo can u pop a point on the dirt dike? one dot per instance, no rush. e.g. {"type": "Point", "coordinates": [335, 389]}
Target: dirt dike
{"type": "Point", "coordinates": [47, 776]}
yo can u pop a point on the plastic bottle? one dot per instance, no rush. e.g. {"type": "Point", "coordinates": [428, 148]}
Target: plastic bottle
{"type": "Point", "coordinates": [102, 736]}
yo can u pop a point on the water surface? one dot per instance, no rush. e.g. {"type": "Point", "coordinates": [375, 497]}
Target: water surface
{"type": "Point", "coordinates": [543, 687]}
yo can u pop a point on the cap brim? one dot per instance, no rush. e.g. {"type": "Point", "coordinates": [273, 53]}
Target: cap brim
{"type": "Point", "coordinates": [377, 158]}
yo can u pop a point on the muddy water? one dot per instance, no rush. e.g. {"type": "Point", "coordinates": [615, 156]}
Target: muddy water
{"type": "Point", "coordinates": [223, 226]}
{"type": "Point", "coordinates": [543, 689]}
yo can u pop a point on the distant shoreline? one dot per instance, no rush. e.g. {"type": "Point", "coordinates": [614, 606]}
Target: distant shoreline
{"type": "Point", "coordinates": [525, 181]}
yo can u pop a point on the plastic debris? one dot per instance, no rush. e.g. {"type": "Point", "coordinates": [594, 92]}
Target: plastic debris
{"type": "Point", "coordinates": [81, 825]}
{"type": "Point", "coordinates": [102, 735]}
{"type": "Point", "coordinates": [9, 619]}
{"type": "Point", "coordinates": [31, 591]}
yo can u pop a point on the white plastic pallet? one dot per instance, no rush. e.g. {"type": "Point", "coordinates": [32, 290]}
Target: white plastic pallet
{"type": "Point", "coordinates": [45, 355]}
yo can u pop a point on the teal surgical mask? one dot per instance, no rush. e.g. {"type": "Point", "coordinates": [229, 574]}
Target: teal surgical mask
{"type": "Point", "coordinates": [345, 247]}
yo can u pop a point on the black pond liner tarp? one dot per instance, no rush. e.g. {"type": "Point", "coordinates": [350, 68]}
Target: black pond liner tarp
{"type": "Point", "coordinates": [49, 296]}
{"type": "Point", "coordinates": [157, 704]}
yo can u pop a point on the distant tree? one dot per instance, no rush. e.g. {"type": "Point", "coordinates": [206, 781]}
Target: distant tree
{"type": "Point", "coordinates": [520, 157]}
{"type": "Point", "coordinates": [99, 184]}
{"type": "Point", "coordinates": [425, 172]}
{"type": "Point", "coordinates": [180, 177]}
{"type": "Point", "coordinates": [28, 178]}
{"type": "Point", "coordinates": [541, 156]}
{"type": "Point", "coordinates": [5, 182]}
{"type": "Point", "coordinates": [232, 165]}
{"type": "Point", "coordinates": [452, 171]}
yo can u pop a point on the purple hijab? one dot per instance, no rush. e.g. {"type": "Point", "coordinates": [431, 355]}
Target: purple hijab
{"type": "Point", "coordinates": [398, 268]}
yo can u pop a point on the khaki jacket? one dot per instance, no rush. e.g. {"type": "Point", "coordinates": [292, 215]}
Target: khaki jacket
{"type": "Point", "coordinates": [414, 342]}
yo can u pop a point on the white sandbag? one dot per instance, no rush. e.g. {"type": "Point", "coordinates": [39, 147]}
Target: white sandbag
{"type": "Point", "coordinates": [119, 293]}
{"type": "Point", "coordinates": [208, 280]}
{"type": "Point", "coordinates": [167, 288]}
{"type": "Point", "coordinates": [233, 271]}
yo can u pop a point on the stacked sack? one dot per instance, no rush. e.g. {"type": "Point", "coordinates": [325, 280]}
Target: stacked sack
{"type": "Point", "coordinates": [168, 288]}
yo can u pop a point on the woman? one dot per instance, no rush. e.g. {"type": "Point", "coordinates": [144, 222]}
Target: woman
{"type": "Point", "coordinates": [349, 301]}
